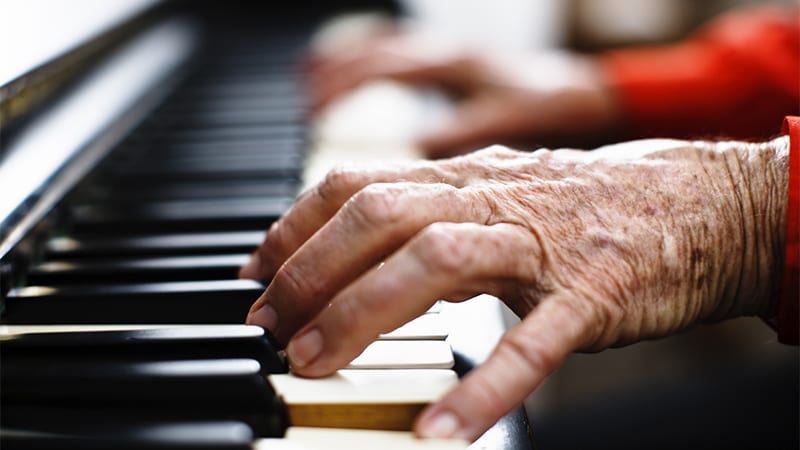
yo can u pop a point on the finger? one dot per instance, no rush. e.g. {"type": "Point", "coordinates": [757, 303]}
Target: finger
{"type": "Point", "coordinates": [476, 123]}
{"type": "Point", "coordinates": [314, 208]}
{"type": "Point", "coordinates": [441, 259]}
{"type": "Point", "coordinates": [379, 219]}
{"type": "Point", "coordinates": [354, 32]}
{"type": "Point", "coordinates": [341, 75]}
{"type": "Point", "coordinates": [337, 76]}
{"type": "Point", "coordinates": [521, 361]}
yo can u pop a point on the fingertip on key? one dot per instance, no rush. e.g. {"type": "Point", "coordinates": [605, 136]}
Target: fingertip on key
{"type": "Point", "coordinates": [305, 347]}
{"type": "Point", "coordinates": [252, 269]}
{"type": "Point", "coordinates": [265, 316]}
{"type": "Point", "coordinates": [440, 424]}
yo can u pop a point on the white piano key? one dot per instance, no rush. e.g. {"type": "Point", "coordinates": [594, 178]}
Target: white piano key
{"type": "Point", "coordinates": [364, 399]}
{"type": "Point", "coordinates": [307, 438]}
{"type": "Point", "coordinates": [366, 386]}
{"type": "Point", "coordinates": [435, 308]}
{"type": "Point", "coordinates": [405, 355]}
{"type": "Point", "coordinates": [425, 327]}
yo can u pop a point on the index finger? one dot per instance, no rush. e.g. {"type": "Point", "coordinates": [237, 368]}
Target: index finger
{"type": "Point", "coordinates": [318, 205]}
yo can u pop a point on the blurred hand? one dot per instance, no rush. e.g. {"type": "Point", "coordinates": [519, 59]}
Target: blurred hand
{"type": "Point", "coordinates": [591, 249]}
{"type": "Point", "coordinates": [501, 98]}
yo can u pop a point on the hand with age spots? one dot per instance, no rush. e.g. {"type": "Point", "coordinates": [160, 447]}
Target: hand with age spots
{"type": "Point", "coordinates": [591, 249]}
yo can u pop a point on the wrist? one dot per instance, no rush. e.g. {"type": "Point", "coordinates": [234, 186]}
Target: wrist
{"type": "Point", "coordinates": [758, 177]}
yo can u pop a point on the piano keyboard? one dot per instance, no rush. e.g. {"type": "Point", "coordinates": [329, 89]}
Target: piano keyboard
{"type": "Point", "coordinates": [129, 314]}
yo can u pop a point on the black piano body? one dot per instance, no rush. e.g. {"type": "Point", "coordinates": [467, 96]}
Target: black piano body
{"type": "Point", "coordinates": [165, 146]}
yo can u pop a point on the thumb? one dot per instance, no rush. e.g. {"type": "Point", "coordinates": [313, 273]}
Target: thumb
{"type": "Point", "coordinates": [521, 361]}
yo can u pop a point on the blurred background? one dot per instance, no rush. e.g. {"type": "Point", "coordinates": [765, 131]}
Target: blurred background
{"type": "Point", "coordinates": [577, 24]}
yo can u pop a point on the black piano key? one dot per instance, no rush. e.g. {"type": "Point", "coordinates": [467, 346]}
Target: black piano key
{"type": "Point", "coordinates": [276, 151]}
{"type": "Point", "coordinates": [175, 268]}
{"type": "Point", "coordinates": [186, 216]}
{"type": "Point", "coordinates": [71, 429]}
{"type": "Point", "coordinates": [173, 165]}
{"type": "Point", "coordinates": [213, 389]}
{"type": "Point", "coordinates": [262, 87]}
{"type": "Point", "coordinates": [78, 246]}
{"type": "Point", "coordinates": [254, 70]}
{"type": "Point", "coordinates": [184, 209]}
{"type": "Point", "coordinates": [188, 104]}
{"type": "Point", "coordinates": [226, 301]}
{"type": "Point", "coordinates": [228, 167]}
{"type": "Point", "coordinates": [185, 134]}
{"type": "Point", "coordinates": [147, 152]}
{"type": "Point", "coordinates": [243, 147]}
{"type": "Point", "coordinates": [221, 117]}
{"type": "Point", "coordinates": [184, 342]}
{"type": "Point", "coordinates": [172, 384]}
{"type": "Point", "coordinates": [137, 191]}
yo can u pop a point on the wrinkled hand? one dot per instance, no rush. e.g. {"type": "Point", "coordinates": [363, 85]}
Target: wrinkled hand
{"type": "Point", "coordinates": [591, 249]}
{"type": "Point", "coordinates": [503, 98]}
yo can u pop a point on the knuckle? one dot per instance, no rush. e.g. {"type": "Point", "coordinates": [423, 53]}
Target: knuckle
{"type": "Point", "coordinates": [377, 205]}
{"type": "Point", "coordinates": [351, 317]}
{"type": "Point", "coordinates": [339, 181]}
{"type": "Point", "coordinates": [299, 288]}
{"type": "Point", "coordinates": [276, 241]}
{"type": "Point", "coordinates": [541, 153]}
{"type": "Point", "coordinates": [439, 248]}
{"type": "Point", "coordinates": [496, 152]}
{"type": "Point", "coordinates": [486, 394]}
{"type": "Point", "coordinates": [486, 205]}
{"type": "Point", "coordinates": [533, 354]}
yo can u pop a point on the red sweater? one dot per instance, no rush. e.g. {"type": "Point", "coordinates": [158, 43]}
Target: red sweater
{"type": "Point", "coordinates": [787, 314]}
{"type": "Point", "coordinates": [738, 77]}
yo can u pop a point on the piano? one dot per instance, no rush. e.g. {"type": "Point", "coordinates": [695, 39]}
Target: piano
{"type": "Point", "coordinates": [138, 169]}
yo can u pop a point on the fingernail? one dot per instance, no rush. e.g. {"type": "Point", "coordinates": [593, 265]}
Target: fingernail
{"type": "Point", "coordinates": [304, 348]}
{"type": "Point", "coordinates": [252, 268]}
{"type": "Point", "coordinates": [264, 316]}
{"type": "Point", "coordinates": [442, 425]}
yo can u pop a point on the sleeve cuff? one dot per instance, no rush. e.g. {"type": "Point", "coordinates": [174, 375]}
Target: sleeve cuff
{"type": "Point", "coordinates": [787, 316]}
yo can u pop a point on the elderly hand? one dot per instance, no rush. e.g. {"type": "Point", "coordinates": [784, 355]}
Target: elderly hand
{"type": "Point", "coordinates": [591, 249]}
{"type": "Point", "coordinates": [505, 98]}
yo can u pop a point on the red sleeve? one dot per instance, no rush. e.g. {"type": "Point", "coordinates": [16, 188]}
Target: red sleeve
{"type": "Point", "coordinates": [788, 311]}
{"type": "Point", "coordinates": [738, 77]}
